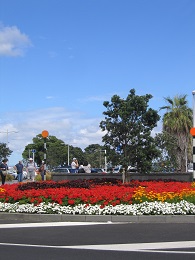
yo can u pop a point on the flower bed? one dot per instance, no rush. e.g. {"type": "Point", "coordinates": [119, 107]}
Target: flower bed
{"type": "Point", "coordinates": [99, 197]}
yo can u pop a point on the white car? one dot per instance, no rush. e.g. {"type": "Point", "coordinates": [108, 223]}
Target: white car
{"type": "Point", "coordinates": [61, 170]}
{"type": "Point", "coordinates": [24, 175]}
{"type": "Point", "coordinates": [190, 167]}
{"type": "Point", "coordinates": [131, 169]}
{"type": "Point", "coordinates": [117, 169]}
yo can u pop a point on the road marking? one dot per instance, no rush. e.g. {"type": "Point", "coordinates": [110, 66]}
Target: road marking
{"type": "Point", "coordinates": [159, 247]}
{"type": "Point", "coordinates": [50, 224]}
{"type": "Point", "coordinates": [143, 247]}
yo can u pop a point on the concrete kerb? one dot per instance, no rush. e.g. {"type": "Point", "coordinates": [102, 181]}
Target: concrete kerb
{"type": "Point", "coordinates": [20, 217]}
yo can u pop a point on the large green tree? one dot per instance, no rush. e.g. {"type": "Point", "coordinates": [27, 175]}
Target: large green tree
{"type": "Point", "coordinates": [5, 152]}
{"type": "Point", "coordinates": [177, 121]}
{"type": "Point", "coordinates": [95, 154]}
{"type": "Point", "coordinates": [128, 124]}
{"type": "Point", "coordinates": [167, 145]}
{"type": "Point", "coordinates": [57, 152]}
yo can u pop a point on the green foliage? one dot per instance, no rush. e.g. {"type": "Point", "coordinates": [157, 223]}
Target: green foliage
{"type": "Point", "coordinates": [56, 151]}
{"type": "Point", "coordinates": [128, 123]}
{"type": "Point", "coordinates": [177, 121]}
{"type": "Point", "coordinates": [9, 177]}
{"type": "Point", "coordinates": [95, 155]}
{"type": "Point", "coordinates": [167, 145]}
{"type": "Point", "coordinates": [47, 178]}
{"type": "Point", "coordinates": [38, 177]}
{"type": "Point", "coordinates": [4, 151]}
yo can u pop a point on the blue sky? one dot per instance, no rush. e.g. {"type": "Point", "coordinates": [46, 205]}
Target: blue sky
{"type": "Point", "coordinates": [61, 59]}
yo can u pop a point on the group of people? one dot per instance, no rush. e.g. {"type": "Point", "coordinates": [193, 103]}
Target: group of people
{"type": "Point", "coordinates": [31, 168]}
{"type": "Point", "coordinates": [19, 167]}
{"type": "Point", "coordinates": [84, 167]}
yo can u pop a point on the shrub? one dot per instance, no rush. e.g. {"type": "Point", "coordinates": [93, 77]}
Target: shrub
{"type": "Point", "coordinates": [9, 177]}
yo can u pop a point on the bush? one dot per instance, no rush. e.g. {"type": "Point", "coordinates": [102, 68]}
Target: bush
{"type": "Point", "coordinates": [48, 176]}
{"type": "Point", "coordinates": [38, 177]}
{"type": "Point", "coordinates": [9, 177]}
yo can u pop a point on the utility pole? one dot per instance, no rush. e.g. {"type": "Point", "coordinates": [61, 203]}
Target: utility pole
{"type": "Point", "coordinates": [7, 133]}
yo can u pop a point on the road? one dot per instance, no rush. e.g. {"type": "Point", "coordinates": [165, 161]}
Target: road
{"type": "Point", "coordinates": [86, 241]}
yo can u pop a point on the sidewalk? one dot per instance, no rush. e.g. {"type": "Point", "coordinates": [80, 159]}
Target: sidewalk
{"type": "Point", "coordinates": [23, 217]}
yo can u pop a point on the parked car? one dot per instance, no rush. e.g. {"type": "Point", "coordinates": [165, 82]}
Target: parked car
{"type": "Point", "coordinates": [97, 170]}
{"type": "Point", "coordinates": [117, 169]}
{"type": "Point", "coordinates": [13, 172]}
{"type": "Point", "coordinates": [190, 167]}
{"type": "Point", "coordinates": [24, 174]}
{"type": "Point", "coordinates": [132, 169]}
{"type": "Point", "coordinates": [61, 169]}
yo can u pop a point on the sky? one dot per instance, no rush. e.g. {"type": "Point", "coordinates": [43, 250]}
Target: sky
{"type": "Point", "coordinates": [61, 59]}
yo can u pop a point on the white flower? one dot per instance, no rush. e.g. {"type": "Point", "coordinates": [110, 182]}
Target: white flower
{"type": "Point", "coordinates": [145, 208]}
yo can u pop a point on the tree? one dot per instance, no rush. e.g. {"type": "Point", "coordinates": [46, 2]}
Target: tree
{"type": "Point", "coordinates": [4, 151]}
{"type": "Point", "coordinates": [128, 124]}
{"type": "Point", "coordinates": [56, 151]}
{"type": "Point", "coordinates": [177, 121]}
{"type": "Point", "coordinates": [167, 145]}
{"type": "Point", "coordinates": [95, 155]}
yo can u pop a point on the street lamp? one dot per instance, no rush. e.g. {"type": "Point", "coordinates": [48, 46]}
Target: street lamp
{"type": "Point", "coordinates": [193, 93]}
{"type": "Point", "coordinates": [68, 152]}
{"type": "Point", "coordinates": [8, 132]}
{"type": "Point", "coordinates": [105, 158]}
{"type": "Point", "coordinates": [68, 155]}
{"type": "Point", "coordinates": [105, 161]}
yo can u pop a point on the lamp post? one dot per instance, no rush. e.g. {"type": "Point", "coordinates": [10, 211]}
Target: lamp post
{"type": "Point", "coordinates": [8, 132]}
{"type": "Point", "coordinates": [193, 93]}
{"type": "Point", "coordinates": [105, 161]}
{"type": "Point", "coordinates": [68, 155]}
{"type": "Point", "coordinates": [192, 132]}
{"type": "Point", "coordinates": [45, 134]}
{"type": "Point", "coordinates": [69, 152]}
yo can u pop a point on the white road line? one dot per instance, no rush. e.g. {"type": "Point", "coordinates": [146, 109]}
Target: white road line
{"type": "Point", "coordinates": [166, 252]}
{"type": "Point", "coordinates": [139, 247]}
{"type": "Point", "coordinates": [50, 224]}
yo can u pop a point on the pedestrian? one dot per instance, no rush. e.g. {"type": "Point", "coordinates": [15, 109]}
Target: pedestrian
{"type": "Point", "coordinates": [87, 167]}
{"type": "Point", "coordinates": [19, 168]}
{"type": "Point", "coordinates": [31, 168]}
{"type": "Point", "coordinates": [81, 169]}
{"type": "Point", "coordinates": [42, 170]}
{"type": "Point", "coordinates": [74, 165]}
{"type": "Point", "coordinates": [3, 170]}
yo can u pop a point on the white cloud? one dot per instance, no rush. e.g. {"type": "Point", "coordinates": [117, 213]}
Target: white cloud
{"type": "Point", "coordinates": [70, 127]}
{"type": "Point", "coordinates": [50, 97]}
{"type": "Point", "coordinates": [12, 41]}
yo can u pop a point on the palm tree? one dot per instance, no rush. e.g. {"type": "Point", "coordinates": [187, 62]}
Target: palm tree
{"type": "Point", "coordinates": [177, 121]}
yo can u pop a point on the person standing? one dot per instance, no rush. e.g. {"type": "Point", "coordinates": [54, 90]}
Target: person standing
{"type": "Point", "coordinates": [42, 170]}
{"type": "Point", "coordinates": [3, 170]}
{"type": "Point", "coordinates": [31, 168]}
{"type": "Point", "coordinates": [19, 168]}
{"type": "Point", "coordinates": [74, 165]}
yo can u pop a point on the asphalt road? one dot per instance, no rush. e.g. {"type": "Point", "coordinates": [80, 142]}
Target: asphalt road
{"type": "Point", "coordinates": [91, 241]}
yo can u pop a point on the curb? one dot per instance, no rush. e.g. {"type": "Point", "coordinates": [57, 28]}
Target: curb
{"type": "Point", "coordinates": [22, 217]}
